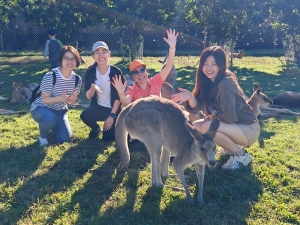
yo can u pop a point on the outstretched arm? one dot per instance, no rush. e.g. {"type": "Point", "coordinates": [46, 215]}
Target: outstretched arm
{"type": "Point", "coordinates": [184, 95]}
{"type": "Point", "coordinates": [172, 39]}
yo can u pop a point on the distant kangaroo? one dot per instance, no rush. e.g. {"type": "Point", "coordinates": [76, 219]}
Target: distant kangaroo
{"type": "Point", "coordinates": [260, 104]}
{"type": "Point", "coordinates": [161, 125]}
{"type": "Point", "coordinates": [21, 93]}
{"type": "Point", "coordinates": [238, 55]}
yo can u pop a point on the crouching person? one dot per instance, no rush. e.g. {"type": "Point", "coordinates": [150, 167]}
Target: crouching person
{"type": "Point", "coordinates": [105, 103]}
{"type": "Point", "coordinates": [59, 88]}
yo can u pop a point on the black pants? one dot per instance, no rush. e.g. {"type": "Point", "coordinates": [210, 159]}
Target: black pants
{"type": "Point", "coordinates": [95, 113]}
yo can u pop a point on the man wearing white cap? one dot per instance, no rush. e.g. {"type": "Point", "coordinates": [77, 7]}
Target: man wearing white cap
{"type": "Point", "coordinates": [105, 103]}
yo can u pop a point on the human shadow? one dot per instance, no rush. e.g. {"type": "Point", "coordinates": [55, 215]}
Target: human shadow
{"type": "Point", "coordinates": [72, 165]}
{"type": "Point", "coordinates": [102, 184]}
{"type": "Point", "coordinates": [225, 191]}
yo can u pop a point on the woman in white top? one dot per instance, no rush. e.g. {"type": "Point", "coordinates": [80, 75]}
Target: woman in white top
{"type": "Point", "coordinates": [105, 103]}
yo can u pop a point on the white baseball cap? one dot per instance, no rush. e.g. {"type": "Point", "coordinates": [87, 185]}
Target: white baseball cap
{"type": "Point", "coordinates": [99, 44]}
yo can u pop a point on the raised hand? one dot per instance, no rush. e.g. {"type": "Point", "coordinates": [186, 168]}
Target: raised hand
{"type": "Point", "coordinates": [117, 83]}
{"type": "Point", "coordinates": [172, 38]}
{"type": "Point", "coordinates": [182, 96]}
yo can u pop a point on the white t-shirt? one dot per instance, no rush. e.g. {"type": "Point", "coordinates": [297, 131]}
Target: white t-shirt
{"type": "Point", "coordinates": [103, 81]}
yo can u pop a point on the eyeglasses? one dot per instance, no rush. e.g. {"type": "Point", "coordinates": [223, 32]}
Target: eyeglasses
{"type": "Point", "coordinates": [137, 72]}
{"type": "Point", "coordinates": [69, 59]}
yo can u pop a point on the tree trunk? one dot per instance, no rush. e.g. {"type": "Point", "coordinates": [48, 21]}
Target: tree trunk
{"type": "Point", "coordinates": [291, 45]}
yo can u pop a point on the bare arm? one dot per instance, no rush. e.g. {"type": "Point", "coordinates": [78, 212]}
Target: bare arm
{"type": "Point", "coordinates": [47, 99]}
{"type": "Point", "coordinates": [90, 93]}
{"type": "Point", "coordinates": [117, 83]}
{"type": "Point", "coordinates": [172, 38]}
{"type": "Point", "coordinates": [185, 95]}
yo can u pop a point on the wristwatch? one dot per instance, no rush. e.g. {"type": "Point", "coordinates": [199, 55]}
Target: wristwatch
{"type": "Point", "coordinates": [113, 115]}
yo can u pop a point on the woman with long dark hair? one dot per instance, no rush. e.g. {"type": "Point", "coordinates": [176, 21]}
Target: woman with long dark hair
{"type": "Point", "coordinates": [218, 94]}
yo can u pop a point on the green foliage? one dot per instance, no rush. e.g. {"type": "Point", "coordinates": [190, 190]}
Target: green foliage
{"type": "Point", "coordinates": [8, 10]}
{"type": "Point", "coordinates": [222, 18]}
{"type": "Point", "coordinates": [132, 16]}
{"type": "Point", "coordinates": [75, 183]}
{"type": "Point", "coordinates": [67, 16]}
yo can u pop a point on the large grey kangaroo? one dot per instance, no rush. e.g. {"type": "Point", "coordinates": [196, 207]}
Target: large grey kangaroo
{"type": "Point", "coordinates": [161, 125]}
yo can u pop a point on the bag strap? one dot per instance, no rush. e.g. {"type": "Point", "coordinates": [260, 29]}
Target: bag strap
{"type": "Point", "coordinates": [53, 45]}
{"type": "Point", "coordinates": [54, 79]}
{"type": "Point", "coordinates": [76, 80]}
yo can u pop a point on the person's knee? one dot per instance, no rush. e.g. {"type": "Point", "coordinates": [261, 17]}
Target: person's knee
{"type": "Point", "coordinates": [202, 126]}
{"type": "Point", "coordinates": [48, 120]}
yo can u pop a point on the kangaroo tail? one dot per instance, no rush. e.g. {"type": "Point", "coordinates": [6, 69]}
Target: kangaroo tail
{"type": "Point", "coordinates": [121, 140]}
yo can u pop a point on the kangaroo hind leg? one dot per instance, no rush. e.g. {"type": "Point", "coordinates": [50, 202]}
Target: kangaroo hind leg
{"type": "Point", "coordinates": [154, 147]}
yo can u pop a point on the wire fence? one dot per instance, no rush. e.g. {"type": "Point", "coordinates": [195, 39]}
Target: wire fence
{"type": "Point", "coordinates": [27, 38]}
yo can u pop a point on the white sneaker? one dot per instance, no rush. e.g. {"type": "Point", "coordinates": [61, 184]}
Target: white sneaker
{"type": "Point", "coordinates": [237, 161]}
{"type": "Point", "coordinates": [43, 141]}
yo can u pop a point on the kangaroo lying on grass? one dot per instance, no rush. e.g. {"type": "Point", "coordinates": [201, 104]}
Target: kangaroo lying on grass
{"type": "Point", "coordinates": [288, 98]}
{"type": "Point", "coordinates": [260, 104]}
{"type": "Point", "coordinates": [161, 125]}
{"type": "Point", "coordinates": [21, 94]}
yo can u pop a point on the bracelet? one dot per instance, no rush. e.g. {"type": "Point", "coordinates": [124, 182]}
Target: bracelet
{"type": "Point", "coordinates": [172, 50]}
{"type": "Point", "coordinates": [113, 115]}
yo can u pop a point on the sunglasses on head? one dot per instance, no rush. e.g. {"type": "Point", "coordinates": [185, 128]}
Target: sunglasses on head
{"type": "Point", "coordinates": [137, 72]}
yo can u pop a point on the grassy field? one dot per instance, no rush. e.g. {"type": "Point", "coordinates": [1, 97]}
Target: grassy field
{"type": "Point", "coordinates": [60, 184]}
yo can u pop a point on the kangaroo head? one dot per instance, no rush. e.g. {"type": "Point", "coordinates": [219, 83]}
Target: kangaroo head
{"type": "Point", "coordinates": [258, 97]}
{"type": "Point", "coordinates": [18, 95]}
{"type": "Point", "coordinates": [204, 143]}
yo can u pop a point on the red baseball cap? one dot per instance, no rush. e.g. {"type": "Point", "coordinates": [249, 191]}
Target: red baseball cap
{"type": "Point", "coordinates": [135, 63]}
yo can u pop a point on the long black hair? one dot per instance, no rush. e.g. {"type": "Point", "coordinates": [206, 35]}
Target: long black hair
{"type": "Point", "coordinates": [205, 90]}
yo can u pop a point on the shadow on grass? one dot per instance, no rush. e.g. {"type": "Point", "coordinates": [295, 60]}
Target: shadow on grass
{"type": "Point", "coordinates": [264, 135]}
{"type": "Point", "coordinates": [72, 166]}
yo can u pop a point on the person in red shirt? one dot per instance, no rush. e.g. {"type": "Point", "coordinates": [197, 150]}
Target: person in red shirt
{"type": "Point", "coordinates": [144, 86]}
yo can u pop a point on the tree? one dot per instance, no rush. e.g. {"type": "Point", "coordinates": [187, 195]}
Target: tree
{"type": "Point", "coordinates": [131, 17]}
{"type": "Point", "coordinates": [287, 14]}
{"type": "Point", "coordinates": [222, 18]}
{"type": "Point", "coordinates": [8, 10]}
{"type": "Point", "coordinates": [67, 16]}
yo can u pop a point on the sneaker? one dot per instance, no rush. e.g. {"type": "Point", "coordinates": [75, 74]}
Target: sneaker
{"type": "Point", "coordinates": [94, 133]}
{"type": "Point", "coordinates": [43, 141]}
{"type": "Point", "coordinates": [237, 161]}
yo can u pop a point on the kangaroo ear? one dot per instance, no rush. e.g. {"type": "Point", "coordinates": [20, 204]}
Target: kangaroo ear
{"type": "Point", "coordinates": [193, 131]}
{"type": "Point", "coordinates": [214, 126]}
{"type": "Point", "coordinates": [256, 88]}
{"type": "Point", "coordinates": [15, 84]}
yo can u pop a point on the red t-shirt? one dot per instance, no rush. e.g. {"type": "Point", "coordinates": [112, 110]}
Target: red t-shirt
{"type": "Point", "coordinates": [153, 88]}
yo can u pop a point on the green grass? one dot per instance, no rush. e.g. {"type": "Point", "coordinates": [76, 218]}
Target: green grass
{"type": "Point", "coordinates": [61, 184]}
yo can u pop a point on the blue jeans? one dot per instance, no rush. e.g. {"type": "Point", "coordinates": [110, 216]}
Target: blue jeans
{"type": "Point", "coordinates": [54, 63]}
{"type": "Point", "coordinates": [57, 120]}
